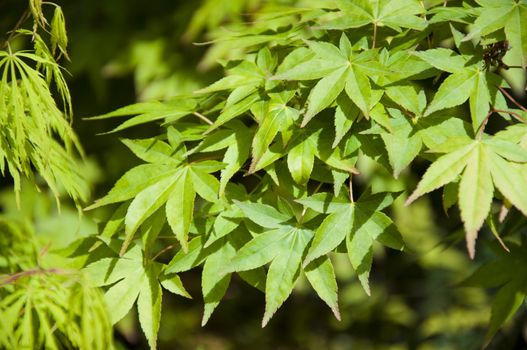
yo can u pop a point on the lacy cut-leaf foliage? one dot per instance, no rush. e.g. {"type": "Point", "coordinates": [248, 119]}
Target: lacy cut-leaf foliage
{"type": "Point", "coordinates": [35, 136]}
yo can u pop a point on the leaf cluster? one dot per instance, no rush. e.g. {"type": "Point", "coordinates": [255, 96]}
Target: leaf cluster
{"type": "Point", "coordinates": [35, 135]}
{"type": "Point", "coordinates": [256, 170]}
{"type": "Point", "coordinates": [266, 173]}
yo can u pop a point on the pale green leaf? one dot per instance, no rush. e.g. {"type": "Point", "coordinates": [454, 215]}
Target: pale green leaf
{"type": "Point", "coordinates": [263, 214]}
{"type": "Point", "coordinates": [110, 270]}
{"type": "Point", "coordinates": [475, 195]}
{"type": "Point", "coordinates": [215, 278]}
{"type": "Point", "coordinates": [260, 250]}
{"type": "Point", "coordinates": [324, 202]}
{"type": "Point", "coordinates": [509, 178]}
{"type": "Point", "coordinates": [324, 93]}
{"type": "Point", "coordinates": [121, 296]}
{"type": "Point", "coordinates": [313, 69]}
{"type": "Point", "coordinates": [194, 256]}
{"type": "Point", "coordinates": [225, 223]}
{"type": "Point", "coordinates": [345, 115]}
{"type": "Point", "coordinates": [443, 59]}
{"type": "Point", "coordinates": [152, 151]}
{"type": "Point", "coordinates": [149, 307]}
{"type": "Point", "coordinates": [360, 252]}
{"type": "Point", "coordinates": [406, 96]}
{"type": "Point", "coordinates": [300, 161]}
{"type": "Point", "coordinates": [330, 233]}
{"type": "Point", "coordinates": [444, 170]}
{"type": "Point", "coordinates": [180, 206]}
{"type": "Point", "coordinates": [359, 90]}
{"type": "Point", "coordinates": [505, 304]}
{"type": "Point", "coordinates": [321, 276]}
{"type": "Point", "coordinates": [206, 185]}
{"type": "Point", "coordinates": [402, 144]}
{"type": "Point", "coordinates": [266, 133]}
{"type": "Point", "coordinates": [174, 285]}
{"type": "Point", "coordinates": [284, 271]}
{"type": "Point", "coordinates": [133, 182]}
{"type": "Point", "coordinates": [455, 90]}
{"type": "Point", "coordinates": [479, 101]}
{"type": "Point", "coordinates": [145, 204]}
{"type": "Point", "coordinates": [235, 157]}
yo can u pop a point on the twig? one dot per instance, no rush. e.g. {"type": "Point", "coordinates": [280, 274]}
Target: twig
{"type": "Point", "coordinates": [351, 187]}
{"type": "Point", "coordinates": [484, 123]}
{"type": "Point", "coordinates": [514, 114]}
{"type": "Point", "coordinates": [202, 117]}
{"type": "Point", "coordinates": [14, 277]}
{"type": "Point", "coordinates": [512, 99]}
{"type": "Point", "coordinates": [374, 35]}
{"type": "Point", "coordinates": [495, 110]}
{"type": "Point", "coordinates": [167, 248]}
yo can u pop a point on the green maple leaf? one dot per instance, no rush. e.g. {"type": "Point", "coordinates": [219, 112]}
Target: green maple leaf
{"type": "Point", "coordinates": [359, 224]}
{"type": "Point", "coordinates": [277, 117]}
{"type": "Point", "coordinates": [466, 82]}
{"type": "Point", "coordinates": [340, 69]}
{"type": "Point", "coordinates": [225, 237]}
{"type": "Point", "coordinates": [510, 15]}
{"type": "Point", "coordinates": [395, 14]}
{"type": "Point", "coordinates": [403, 143]}
{"type": "Point", "coordinates": [482, 165]}
{"type": "Point", "coordinates": [166, 179]}
{"type": "Point", "coordinates": [283, 245]}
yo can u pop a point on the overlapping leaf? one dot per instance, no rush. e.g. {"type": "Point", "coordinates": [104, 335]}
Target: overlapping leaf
{"type": "Point", "coordinates": [283, 245]}
{"type": "Point", "coordinates": [131, 278]}
{"type": "Point", "coordinates": [482, 165]}
{"type": "Point", "coordinates": [340, 69]}
{"type": "Point", "coordinates": [395, 14]}
{"type": "Point", "coordinates": [359, 224]}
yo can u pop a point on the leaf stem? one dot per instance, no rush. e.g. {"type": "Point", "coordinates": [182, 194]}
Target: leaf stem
{"type": "Point", "coordinates": [16, 276]}
{"type": "Point", "coordinates": [202, 117]}
{"type": "Point", "coordinates": [512, 99]}
{"type": "Point", "coordinates": [374, 35]}
{"type": "Point", "coordinates": [484, 124]}
{"type": "Point", "coordinates": [351, 187]}
{"type": "Point", "coordinates": [167, 248]}
{"type": "Point", "coordinates": [512, 113]}
{"type": "Point", "coordinates": [495, 110]}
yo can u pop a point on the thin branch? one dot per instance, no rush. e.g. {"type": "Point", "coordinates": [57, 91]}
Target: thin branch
{"type": "Point", "coordinates": [374, 35]}
{"type": "Point", "coordinates": [167, 248]}
{"type": "Point", "coordinates": [495, 110]}
{"type": "Point", "coordinates": [202, 117]}
{"type": "Point", "coordinates": [351, 187]}
{"type": "Point", "coordinates": [512, 113]}
{"type": "Point", "coordinates": [512, 99]}
{"type": "Point", "coordinates": [484, 123]}
{"type": "Point", "coordinates": [16, 276]}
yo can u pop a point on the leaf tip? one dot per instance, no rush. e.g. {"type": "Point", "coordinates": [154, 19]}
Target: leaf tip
{"type": "Point", "coordinates": [266, 319]}
{"type": "Point", "coordinates": [205, 318]}
{"type": "Point", "coordinates": [471, 243]}
{"type": "Point", "coordinates": [307, 118]}
{"type": "Point", "coordinates": [336, 312]}
{"type": "Point", "coordinates": [410, 199]}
